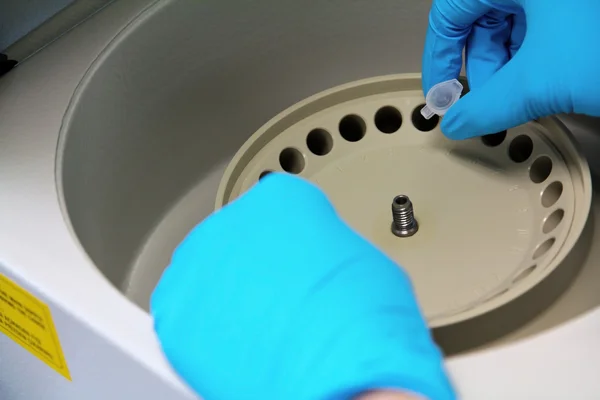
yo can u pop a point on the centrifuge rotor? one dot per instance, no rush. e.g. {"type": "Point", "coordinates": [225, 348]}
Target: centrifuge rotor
{"type": "Point", "coordinates": [489, 217]}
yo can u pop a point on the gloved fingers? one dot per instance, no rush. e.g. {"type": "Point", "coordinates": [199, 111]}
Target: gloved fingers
{"type": "Point", "coordinates": [517, 34]}
{"type": "Point", "coordinates": [184, 269]}
{"type": "Point", "coordinates": [501, 103]}
{"type": "Point", "coordinates": [286, 194]}
{"type": "Point", "coordinates": [279, 210]}
{"type": "Point", "coordinates": [450, 23]}
{"type": "Point", "coordinates": [486, 50]}
{"type": "Point", "coordinates": [442, 58]}
{"type": "Point", "coordinates": [210, 235]}
{"type": "Point", "coordinates": [272, 205]}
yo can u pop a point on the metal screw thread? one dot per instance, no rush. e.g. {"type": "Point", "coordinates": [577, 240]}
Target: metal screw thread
{"type": "Point", "coordinates": [404, 223]}
{"type": "Point", "coordinates": [403, 217]}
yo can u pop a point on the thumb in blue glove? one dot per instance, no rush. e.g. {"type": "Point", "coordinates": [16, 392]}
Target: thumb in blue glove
{"type": "Point", "coordinates": [525, 59]}
{"type": "Point", "coordinates": [275, 297]}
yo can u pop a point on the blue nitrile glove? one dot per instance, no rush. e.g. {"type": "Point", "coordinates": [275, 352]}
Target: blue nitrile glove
{"type": "Point", "coordinates": [517, 71]}
{"type": "Point", "coordinates": [275, 297]}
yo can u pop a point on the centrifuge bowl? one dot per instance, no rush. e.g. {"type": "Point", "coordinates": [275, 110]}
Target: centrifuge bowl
{"type": "Point", "coordinates": [149, 134]}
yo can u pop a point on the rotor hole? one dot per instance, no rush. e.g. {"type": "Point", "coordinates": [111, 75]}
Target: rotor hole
{"type": "Point", "coordinates": [264, 174]}
{"type": "Point", "coordinates": [552, 193]}
{"type": "Point", "coordinates": [543, 248]}
{"type": "Point", "coordinates": [494, 139]}
{"type": "Point", "coordinates": [523, 274]}
{"type": "Point", "coordinates": [352, 128]}
{"type": "Point", "coordinates": [520, 148]}
{"type": "Point", "coordinates": [421, 123]}
{"type": "Point", "coordinates": [319, 142]}
{"type": "Point", "coordinates": [540, 169]}
{"type": "Point", "coordinates": [388, 119]}
{"type": "Point", "coordinates": [553, 220]}
{"type": "Point", "coordinates": [292, 160]}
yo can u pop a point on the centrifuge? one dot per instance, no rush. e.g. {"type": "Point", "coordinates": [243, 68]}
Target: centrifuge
{"type": "Point", "coordinates": [129, 129]}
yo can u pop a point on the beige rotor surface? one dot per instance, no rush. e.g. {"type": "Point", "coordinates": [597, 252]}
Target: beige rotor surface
{"type": "Point", "coordinates": [496, 214]}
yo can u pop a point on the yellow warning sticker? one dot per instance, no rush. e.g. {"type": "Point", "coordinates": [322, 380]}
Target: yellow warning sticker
{"type": "Point", "coordinates": [28, 322]}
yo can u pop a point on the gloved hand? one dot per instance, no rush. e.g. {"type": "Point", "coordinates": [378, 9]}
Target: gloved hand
{"type": "Point", "coordinates": [525, 59]}
{"type": "Point", "coordinates": [275, 297]}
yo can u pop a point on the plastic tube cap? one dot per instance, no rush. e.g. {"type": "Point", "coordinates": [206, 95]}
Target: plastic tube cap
{"type": "Point", "coordinates": [441, 97]}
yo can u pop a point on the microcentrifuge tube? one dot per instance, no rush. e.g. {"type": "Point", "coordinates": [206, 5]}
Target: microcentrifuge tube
{"type": "Point", "coordinates": [441, 97]}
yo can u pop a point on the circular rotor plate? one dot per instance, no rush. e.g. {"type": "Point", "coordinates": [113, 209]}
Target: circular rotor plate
{"type": "Point", "coordinates": [494, 212]}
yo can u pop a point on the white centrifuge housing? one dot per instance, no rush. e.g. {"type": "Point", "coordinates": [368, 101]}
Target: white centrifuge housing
{"type": "Point", "coordinates": [122, 135]}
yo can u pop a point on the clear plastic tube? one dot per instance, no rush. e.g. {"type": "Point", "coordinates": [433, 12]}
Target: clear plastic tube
{"type": "Point", "coordinates": [441, 97]}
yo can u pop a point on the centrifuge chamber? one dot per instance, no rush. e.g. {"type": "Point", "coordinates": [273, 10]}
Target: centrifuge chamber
{"type": "Point", "coordinates": [114, 140]}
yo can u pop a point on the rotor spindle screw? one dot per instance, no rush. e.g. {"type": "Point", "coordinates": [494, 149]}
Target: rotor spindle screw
{"type": "Point", "coordinates": [404, 224]}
